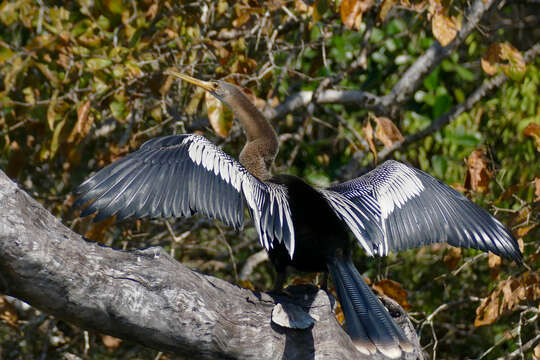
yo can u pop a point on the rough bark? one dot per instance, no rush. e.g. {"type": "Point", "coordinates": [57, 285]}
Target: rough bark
{"type": "Point", "coordinates": [148, 297]}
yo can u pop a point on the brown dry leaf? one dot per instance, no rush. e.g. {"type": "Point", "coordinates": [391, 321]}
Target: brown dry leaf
{"type": "Point", "coordinates": [478, 175]}
{"type": "Point", "coordinates": [393, 290]}
{"type": "Point", "coordinates": [536, 352]}
{"type": "Point", "coordinates": [368, 134]}
{"type": "Point", "coordinates": [415, 5]}
{"type": "Point", "coordinates": [8, 313]}
{"type": "Point", "coordinates": [98, 230]}
{"type": "Point", "coordinates": [507, 296]}
{"type": "Point", "coordinates": [219, 116]}
{"type": "Point", "coordinates": [51, 112]}
{"type": "Point", "coordinates": [489, 60]}
{"type": "Point", "coordinates": [110, 342]}
{"type": "Point", "coordinates": [522, 231]}
{"type": "Point", "coordinates": [152, 11]}
{"type": "Point", "coordinates": [386, 131]}
{"type": "Point", "coordinates": [444, 27]}
{"type": "Point", "coordinates": [506, 57]}
{"type": "Point", "coordinates": [386, 6]}
{"type": "Point", "coordinates": [164, 88]}
{"type": "Point", "coordinates": [17, 160]}
{"type": "Point", "coordinates": [452, 257]}
{"type": "Point", "coordinates": [494, 263]}
{"type": "Point", "coordinates": [83, 124]}
{"type": "Point", "coordinates": [246, 284]}
{"type": "Point", "coordinates": [305, 279]}
{"type": "Point", "coordinates": [537, 189]}
{"type": "Point", "coordinates": [241, 20]}
{"type": "Point", "coordinates": [352, 11]}
{"type": "Point", "coordinates": [533, 130]}
{"type": "Point", "coordinates": [458, 187]}
{"type": "Point", "coordinates": [302, 6]}
{"type": "Point", "coordinates": [340, 316]}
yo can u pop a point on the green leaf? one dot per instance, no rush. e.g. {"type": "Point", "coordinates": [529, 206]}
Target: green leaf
{"type": "Point", "coordinates": [55, 142]}
{"type": "Point", "coordinates": [464, 73]}
{"type": "Point", "coordinates": [439, 165]}
{"type": "Point", "coordinates": [95, 64]}
{"type": "Point", "coordinates": [118, 109]}
{"type": "Point", "coordinates": [443, 103]}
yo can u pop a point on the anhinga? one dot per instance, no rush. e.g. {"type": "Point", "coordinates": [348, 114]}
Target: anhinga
{"type": "Point", "coordinates": [391, 208]}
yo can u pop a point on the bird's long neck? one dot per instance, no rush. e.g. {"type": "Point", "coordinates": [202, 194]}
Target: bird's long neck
{"type": "Point", "coordinates": [262, 143]}
{"type": "Point", "coordinates": [253, 121]}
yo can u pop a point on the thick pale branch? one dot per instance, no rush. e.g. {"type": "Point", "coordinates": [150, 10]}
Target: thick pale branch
{"type": "Point", "coordinates": [457, 110]}
{"type": "Point", "coordinates": [148, 297]}
{"type": "Point", "coordinates": [303, 98]}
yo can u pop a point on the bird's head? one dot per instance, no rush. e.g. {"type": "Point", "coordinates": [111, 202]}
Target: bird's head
{"type": "Point", "coordinates": [221, 90]}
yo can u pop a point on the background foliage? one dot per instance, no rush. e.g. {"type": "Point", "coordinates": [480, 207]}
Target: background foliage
{"type": "Point", "coordinates": [83, 84]}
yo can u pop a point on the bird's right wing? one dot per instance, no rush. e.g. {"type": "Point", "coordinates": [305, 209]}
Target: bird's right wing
{"type": "Point", "coordinates": [178, 175]}
{"type": "Point", "coordinates": [414, 209]}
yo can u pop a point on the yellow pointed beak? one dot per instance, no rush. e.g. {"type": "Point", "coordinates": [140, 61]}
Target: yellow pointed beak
{"type": "Point", "coordinates": [208, 86]}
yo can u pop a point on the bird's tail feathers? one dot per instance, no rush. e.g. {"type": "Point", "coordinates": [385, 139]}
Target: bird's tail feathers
{"type": "Point", "coordinates": [368, 322]}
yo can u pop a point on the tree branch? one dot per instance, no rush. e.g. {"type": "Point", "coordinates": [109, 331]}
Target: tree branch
{"type": "Point", "coordinates": [148, 297]}
{"type": "Point", "coordinates": [424, 65]}
{"type": "Point", "coordinates": [304, 98]}
{"type": "Point", "coordinates": [457, 110]}
{"type": "Point", "coordinates": [403, 89]}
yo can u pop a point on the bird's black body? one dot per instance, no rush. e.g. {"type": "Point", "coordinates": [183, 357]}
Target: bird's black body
{"type": "Point", "coordinates": [391, 208]}
{"type": "Point", "coordinates": [319, 233]}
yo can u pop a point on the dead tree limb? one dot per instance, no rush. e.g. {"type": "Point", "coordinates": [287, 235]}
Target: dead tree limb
{"type": "Point", "coordinates": [148, 297]}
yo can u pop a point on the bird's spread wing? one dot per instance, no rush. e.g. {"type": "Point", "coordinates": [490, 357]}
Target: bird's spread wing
{"type": "Point", "coordinates": [357, 216]}
{"type": "Point", "coordinates": [181, 174]}
{"type": "Point", "coordinates": [414, 209]}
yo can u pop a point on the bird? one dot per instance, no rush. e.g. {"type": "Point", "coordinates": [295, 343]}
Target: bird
{"type": "Point", "coordinates": [391, 208]}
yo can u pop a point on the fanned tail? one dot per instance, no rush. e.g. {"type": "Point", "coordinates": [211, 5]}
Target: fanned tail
{"type": "Point", "coordinates": [369, 324]}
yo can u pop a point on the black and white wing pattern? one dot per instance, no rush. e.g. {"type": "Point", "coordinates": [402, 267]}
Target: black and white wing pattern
{"type": "Point", "coordinates": [414, 209]}
{"type": "Point", "coordinates": [178, 175]}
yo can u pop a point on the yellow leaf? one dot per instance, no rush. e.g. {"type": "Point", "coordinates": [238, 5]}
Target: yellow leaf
{"type": "Point", "coordinates": [51, 113]}
{"type": "Point", "coordinates": [352, 10]}
{"type": "Point", "coordinates": [241, 20]}
{"type": "Point", "coordinates": [246, 284]}
{"type": "Point", "coordinates": [386, 6]}
{"type": "Point", "coordinates": [55, 142]}
{"type": "Point", "coordinates": [444, 27]}
{"type": "Point", "coordinates": [219, 116]}
{"type": "Point", "coordinates": [8, 313]}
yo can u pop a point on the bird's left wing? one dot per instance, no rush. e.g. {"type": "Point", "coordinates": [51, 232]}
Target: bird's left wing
{"type": "Point", "coordinates": [178, 175]}
{"type": "Point", "coordinates": [414, 209]}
